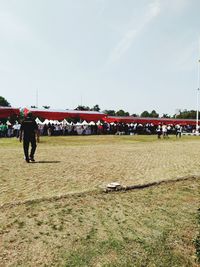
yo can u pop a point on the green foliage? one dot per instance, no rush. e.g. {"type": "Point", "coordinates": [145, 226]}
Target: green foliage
{"type": "Point", "coordinates": [81, 107]}
{"type": "Point", "coordinates": [110, 112]}
{"type": "Point", "coordinates": [144, 114]}
{"type": "Point", "coordinates": [122, 113]}
{"type": "Point", "coordinates": [95, 108]}
{"type": "Point", "coordinates": [4, 102]}
{"type": "Point", "coordinates": [134, 115]}
{"type": "Point", "coordinates": [187, 114]}
{"type": "Point", "coordinates": [165, 115]}
{"type": "Point", "coordinates": [152, 114]}
{"type": "Point", "coordinates": [46, 107]}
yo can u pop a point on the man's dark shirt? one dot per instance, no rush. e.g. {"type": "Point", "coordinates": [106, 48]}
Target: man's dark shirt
{"type": "Point", "coordinates": [29, 127]}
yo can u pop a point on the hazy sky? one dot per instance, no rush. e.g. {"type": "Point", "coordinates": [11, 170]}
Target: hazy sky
{"type": "Point", "coordinates": [134, 55]}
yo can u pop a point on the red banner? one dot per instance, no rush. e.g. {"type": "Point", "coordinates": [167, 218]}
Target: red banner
{"type": "Point", "coordinates": [6, 112]}
{"type": "Point", "coordinates": [155, 121]}
{"type": "Point", "coordinates": [65, 114]}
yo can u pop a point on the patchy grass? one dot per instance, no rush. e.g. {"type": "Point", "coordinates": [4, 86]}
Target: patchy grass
{"type": "Point", "coordinates": [149, 227]}
{"type": "Point", "coordinates": [98, 140]}
{"type": "Point", "coordinates": [197, 239]}
{"type": "Point", "coordinates": [77, 164]}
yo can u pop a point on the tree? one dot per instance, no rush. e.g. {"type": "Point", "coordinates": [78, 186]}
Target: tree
{"type": "Point", "coordinates": [122, 113]}
{"type": "Point", "coordinates": [110, 112]}
{"type": "Point", "coordinates": [4, 102]}
{"type": "Point", "coordinates": [135, 115]}
{"type": "Point", "coordinates": [95, 108]}
{"type": "Point", "coordinates": [187, 114]}
{"type": "Point", "coordinates": [165, 115]}
{"type": "Point", "coordinates": [80, 107]}
{"type": "Point", "coordinates": [46, 107]}
{"type": "Point", "coordinates": [145, 114]}
{"type": "Point", "coordinates": [153, 114]}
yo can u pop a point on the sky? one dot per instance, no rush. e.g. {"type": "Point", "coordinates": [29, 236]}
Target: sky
{"type": "Point", "coordinates": [133, 55]}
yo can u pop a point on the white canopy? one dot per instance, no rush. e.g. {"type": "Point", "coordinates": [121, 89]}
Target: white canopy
{"type": "Point", "coordinates": [92, 123]}
{"type": "Point", "coordinates": [54, 121]}
{"type": "Point", "coordinates": [38, 121]}
{"type": "Point", "coordinates": [99, 123]}
{"type": "Point", "coordinates": [84, 122]}
{"type": "Point", "coordinates": [46, 121]}
{"type": "Point", "coordinates": [65, 122]}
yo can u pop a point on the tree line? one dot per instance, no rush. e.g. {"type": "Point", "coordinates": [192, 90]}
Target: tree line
{"type": "Point", "coordinates": [185, 114]}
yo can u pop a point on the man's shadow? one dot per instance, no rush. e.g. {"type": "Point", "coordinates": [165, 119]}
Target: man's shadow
{"type": "Point", "coordinates": [46, 161]}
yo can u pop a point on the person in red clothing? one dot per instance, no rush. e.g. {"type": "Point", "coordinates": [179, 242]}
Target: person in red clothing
{"type": "Point", "coordinates": [29, 132]}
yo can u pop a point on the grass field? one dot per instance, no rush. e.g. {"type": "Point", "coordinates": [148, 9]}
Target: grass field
{"type": "Point", "coordinates": [54, 212]}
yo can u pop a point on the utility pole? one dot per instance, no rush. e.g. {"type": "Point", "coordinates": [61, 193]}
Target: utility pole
{"type": "Point", "coordinates": [37, 98]}
{"type": "Point", "coordinates": [198, 89]}
{"type": "Point", "coordinates": [197, 115]}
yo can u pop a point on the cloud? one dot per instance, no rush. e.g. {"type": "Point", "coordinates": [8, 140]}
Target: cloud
{"type": "Point", "coordinates": [152, 11]}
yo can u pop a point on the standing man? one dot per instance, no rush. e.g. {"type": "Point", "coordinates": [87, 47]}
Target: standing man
{"type": "Point", "coordinates": [29, 132]}
{"type": "Point", "coordinates": [178, 131]}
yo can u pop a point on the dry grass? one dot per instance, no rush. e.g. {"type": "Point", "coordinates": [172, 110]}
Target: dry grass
{"type": "Point", "coordinates": [76, 164]}
{"type": "Point", "coordinates": [150, 227]}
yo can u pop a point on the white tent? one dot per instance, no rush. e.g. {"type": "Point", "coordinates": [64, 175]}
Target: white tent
{"type": "Point", "coordinates": [65, 122]}
{"type": "Point", "coordinates": [38, 121]}
{"type": "Point", "coordinates": [46, 121]}
{"type": "Point", "coordinates": [84, 122]}
{"type": "Point", "coordinates": [92, 123]}
{"type": "Point", "coordinates": [99, 123]}
{"type": "Point", "coordinates": [54, 122]}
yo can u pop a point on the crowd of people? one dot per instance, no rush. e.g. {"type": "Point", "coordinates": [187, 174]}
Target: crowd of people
{"type": "Point", "coordinates": [9, 130]}
{"type": "Point", "coordinates": [64, 128]}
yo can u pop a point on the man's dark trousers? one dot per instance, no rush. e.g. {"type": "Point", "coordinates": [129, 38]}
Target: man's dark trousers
{"type": "Point", "coordinates": [26, 142]}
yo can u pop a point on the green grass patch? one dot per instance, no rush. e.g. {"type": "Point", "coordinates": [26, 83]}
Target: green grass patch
{"type": "Point", "coordinates": [151, 227]}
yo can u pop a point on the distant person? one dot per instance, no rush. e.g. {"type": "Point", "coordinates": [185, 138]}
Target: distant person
{"type": "Point", "coordinates": [164, 131]}
{"type": "Point", "coordinates": [159, 131]}
{"type": "Point", "coordinates": [29, 132]}
{"type": "Point", "coordinates": [178, 131]}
